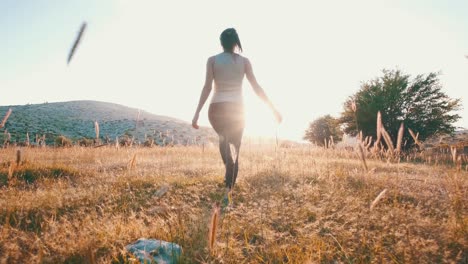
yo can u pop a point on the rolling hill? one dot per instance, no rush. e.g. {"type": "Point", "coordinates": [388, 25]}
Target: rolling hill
{"type": "Point", "coordinates": [75, 120]}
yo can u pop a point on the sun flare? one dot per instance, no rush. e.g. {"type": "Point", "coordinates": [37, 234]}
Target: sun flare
{"type": "Point", "coordinates": [259, 119]}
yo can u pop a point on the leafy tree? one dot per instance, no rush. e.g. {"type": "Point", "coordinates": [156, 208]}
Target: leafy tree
{"type": "Point", "coordinates": [419, 103]}
{"type": "Point", "coordinates": [323, 128]}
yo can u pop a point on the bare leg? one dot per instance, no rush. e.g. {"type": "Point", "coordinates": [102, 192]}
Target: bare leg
{"type": "Point", "coordinates": [225, 150]}
{"type": "Point", "coordinates": [237, 139]}
{"type": "Point", "coordinates": [236, 166]}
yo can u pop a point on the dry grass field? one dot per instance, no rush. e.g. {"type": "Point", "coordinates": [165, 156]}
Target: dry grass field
{"type": "Point", "coordinates": [291, 205]}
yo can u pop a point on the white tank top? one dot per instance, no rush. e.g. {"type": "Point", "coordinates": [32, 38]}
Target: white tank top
{"type": "Point", "coordinates": [229, 71]}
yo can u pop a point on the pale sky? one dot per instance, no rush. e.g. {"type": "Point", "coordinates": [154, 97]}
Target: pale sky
{"type": "Point", "coordinates": [309, 56]}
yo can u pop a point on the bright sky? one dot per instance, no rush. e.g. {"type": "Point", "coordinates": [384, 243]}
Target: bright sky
{"type": "Point", "coordinates": [309, 56]}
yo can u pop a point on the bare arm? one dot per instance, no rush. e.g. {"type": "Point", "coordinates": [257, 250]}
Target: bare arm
{"type": "Point", "coordinates": [205, 92]}
{"type": "Point", "coordinates": [259, 90]}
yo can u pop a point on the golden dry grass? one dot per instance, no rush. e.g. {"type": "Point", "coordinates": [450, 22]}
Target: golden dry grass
{"type": "Point", "coordinates": [295, 205]}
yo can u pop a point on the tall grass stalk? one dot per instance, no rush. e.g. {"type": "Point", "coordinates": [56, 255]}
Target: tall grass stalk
{"type": "Point", "coordinates": [354, 108]}
{"type": "Point", "coordinates": [5, 118]}
{"type": "Point", "coordinates": [400, 138]}
{"type": "Point", "coordinates": [415, 137]}
{"type": "Point", "coordinates": [379, 129]}
{"type": "Point", "coordinates": [377, 199]}
{"type": "Point", "coordinates": [363, 157]}
{"type": "Point", "coordinates": [388, 140]}
{"type": "Point", "coordinates": [453, 151]}
{"type": "Point", "coordinates": [137, 119]}
{"type": "Point", "coordinates": [132, 163]}
{"type": "Point", "coordinates": [96, 129]}
{"type": "Point", "coordinates": [18, 157]}
{"type": "Point", "coordinates": [213, 227]}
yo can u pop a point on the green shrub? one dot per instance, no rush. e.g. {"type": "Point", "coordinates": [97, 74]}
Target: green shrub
{"type": "Point", "coordinates": [62, 141]}
{"type": "Point", "coordinates": [85, 142]}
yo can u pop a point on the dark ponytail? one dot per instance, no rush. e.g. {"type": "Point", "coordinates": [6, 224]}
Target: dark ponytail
{"type": "Point", "coordinates": [230, 39]}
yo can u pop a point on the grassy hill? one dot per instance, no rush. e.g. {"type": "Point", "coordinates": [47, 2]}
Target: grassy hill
{"type": "Point", "coordinates": [76, 119]}
{"type": "Point", "coordinates": [459, 138]}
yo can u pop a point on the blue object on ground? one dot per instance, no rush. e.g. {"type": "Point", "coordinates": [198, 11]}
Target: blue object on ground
{"type": "Point", "coordinates": [155, 251]}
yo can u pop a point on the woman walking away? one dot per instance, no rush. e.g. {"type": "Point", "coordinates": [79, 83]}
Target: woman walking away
{"type": "Point", "coordinates": [226, 111]}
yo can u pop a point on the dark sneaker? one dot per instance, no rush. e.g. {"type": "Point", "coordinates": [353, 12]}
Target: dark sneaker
{"type": "Point", "coordinates": [226, 203]}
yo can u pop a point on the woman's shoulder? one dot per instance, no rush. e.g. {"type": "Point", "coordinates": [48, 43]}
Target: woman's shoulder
{"type": "Point", "coordinates": [243, 58]}
{"type": "Point", "coordinates": [211, 59]}
{"type": "Point", "coordinates": [240, 56]}
{"type": "Point", "coordinates": [237, 57]}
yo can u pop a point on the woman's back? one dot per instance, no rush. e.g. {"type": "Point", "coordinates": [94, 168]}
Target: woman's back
{"type": "Point", "coordinates": [228, 74]}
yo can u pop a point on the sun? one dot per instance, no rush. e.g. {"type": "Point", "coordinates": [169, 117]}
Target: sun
{"type": "Point", "coordinates": [259, 119]}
